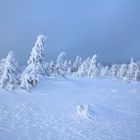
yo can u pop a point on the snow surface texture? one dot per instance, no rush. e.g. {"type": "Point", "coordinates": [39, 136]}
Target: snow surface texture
{"type": "Point", "coordinates": [72, 109]}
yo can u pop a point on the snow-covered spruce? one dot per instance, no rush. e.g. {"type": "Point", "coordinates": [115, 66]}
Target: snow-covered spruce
{"type": "Point", "coordinates": [122, 72]}
{"type": "Point", "coordinates": [115, 71]}
{"type": "Point", "coordinates": [58, 68]}
{"type": "Point", "coordinates": [76, 64]}
{"type": "Point", "coordinates": [105, 71]}
{"type": "Point", "coordinates": [9, 72]}
{"type": "Point", "coordinates": [50, 68]}
{"type": "Point", "coordinates": [131, 72]}
{"type": "Point", "coordinates": [93, 70]}
{"type": "Point", "coordinates": [137, 75]}
{"type": "Point", "coordinates": [82, 71]}
{"type": "Point", "coordinates": [88, 68]}
{"type": "Point", "coordinates": [35, 68]}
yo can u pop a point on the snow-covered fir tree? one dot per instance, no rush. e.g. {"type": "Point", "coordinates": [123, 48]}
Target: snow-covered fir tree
{"type": "Point", "coordinates": [51, 69]}
{"type": "Point", "coordinates": [137, 75]}
{"type": "Point", "coordinates": [132, 68]}
{"type": "Point", "coordinates": [76, 64]}
{"type": "Point", "coordinates": [61, 58]}
{"type": "Point", "coordinates": [66, 66]}
{"type": "Point", "coordinates": [10, 73]}
{"type": "Point", "coordinates": [69, 70]}
{"type": "Point", "coordinates": [99, 67]}
{"type": "Point", "coordinates": [83, 69]}
{"type": "Point", "coordinates": [93, 69]}
{"type": "Point", "coordinates": [114, 70]}
{"type": "Point", "coordinates": [105, 71]}
{"type": "Point", "coordinates": [35, 69]}
{"type": "Point", "coordinates": [47, 68]}
{"type": "Point", "coordinates": [59, 70]}
{"type": "Point", "coordinates": [122, 71]}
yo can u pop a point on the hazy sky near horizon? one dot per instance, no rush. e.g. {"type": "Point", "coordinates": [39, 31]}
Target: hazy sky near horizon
{"type": "Point", "coordinates": [109, 28]}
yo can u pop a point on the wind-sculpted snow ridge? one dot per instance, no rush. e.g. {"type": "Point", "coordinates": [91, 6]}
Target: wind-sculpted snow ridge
{"type": "Point", "coordinates": [72, 109]}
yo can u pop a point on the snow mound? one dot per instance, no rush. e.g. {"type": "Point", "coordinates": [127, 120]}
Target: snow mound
{"type": "Point", "coordinates": [85, 111]}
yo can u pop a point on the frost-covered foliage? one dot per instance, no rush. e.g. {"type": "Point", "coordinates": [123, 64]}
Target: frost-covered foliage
{"type": "Point", "coordinates": [60, 58]}
{"type": "Point", "coordinates": [9, 72]}
{"type": "Point", "coordinates": [137, 75]}
{"type": "Point", "coordinates": [58, 68]}
{"type": "Point", "coordinates": [88, 68]}
{"type": "Point", "coordinates": [125, 72]}
{"type": "Point", "coordinates": [122, 72]}
{"type": "Point", "coordinates": [105, 71]}
{"type": "Point", "coordinates": [50, 67]}
{"type": "Point", "coordinates": [115, 70]}
{"type": "Point", "coordinates": [131, 72]}
{"type": "Point", "coordinates": [83, 68]}
{"type": "Point", "coordinates": [93, 69]}
{"type": "Point", "coordinates": [76, 64]}
{"type": "Point", "coordinates": [35, 68]}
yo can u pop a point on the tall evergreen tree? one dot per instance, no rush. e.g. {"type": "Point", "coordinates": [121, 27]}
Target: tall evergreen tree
{"type": "Point", "coordinates": [35, 66]}
{"type": "Point", "coordinates": [9, 78]}
{"type": "Point", "coordinates": [76, 64]}
{"type": "Point", "coordinates": [83, 69]}
{"type": "Point", "coordinates": [122, 72]}
{"type": "Point", "coordinates": [132, 68]}
{"type": "Point", "coordinates": [59, 70]}
{"type": "Point", "coordinates": [93, 70]}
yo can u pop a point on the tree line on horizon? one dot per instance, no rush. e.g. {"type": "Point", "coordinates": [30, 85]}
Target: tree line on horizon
{"type": "Point", "coordinates": [13, 76]}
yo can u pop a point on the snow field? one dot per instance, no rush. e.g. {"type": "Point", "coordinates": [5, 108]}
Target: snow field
{"type": "Point", "coordinates": [72, 109]}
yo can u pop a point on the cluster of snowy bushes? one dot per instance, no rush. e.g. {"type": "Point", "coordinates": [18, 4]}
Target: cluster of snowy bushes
{"type": "Point", "coordinates": [13, 76]}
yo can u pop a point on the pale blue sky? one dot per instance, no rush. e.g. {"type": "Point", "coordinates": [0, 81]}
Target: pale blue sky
{"type": "Point", "coordinates": [109, 28]}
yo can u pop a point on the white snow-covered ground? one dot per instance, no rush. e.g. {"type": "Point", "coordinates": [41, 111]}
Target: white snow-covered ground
{"type": "Point", "coordinates": [72, 109]}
